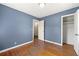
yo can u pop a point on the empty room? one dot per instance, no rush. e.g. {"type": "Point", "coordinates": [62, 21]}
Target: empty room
{"type": "Point", "coordinates": [39, 29]}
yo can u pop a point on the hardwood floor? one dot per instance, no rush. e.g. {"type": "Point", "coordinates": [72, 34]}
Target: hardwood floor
{"type": "Point", "coordinates": [41, 48]}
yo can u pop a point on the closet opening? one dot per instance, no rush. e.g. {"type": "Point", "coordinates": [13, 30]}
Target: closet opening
{"type": "Point", "coordinates": [68, 30]}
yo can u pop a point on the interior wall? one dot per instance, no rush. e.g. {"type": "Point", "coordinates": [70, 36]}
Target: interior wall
{"type": "Point", "coordinates": [53, 25]}
{"type": "Point", "coordinates": [15, 27]}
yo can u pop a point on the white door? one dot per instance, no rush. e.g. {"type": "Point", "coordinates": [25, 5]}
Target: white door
{"type": "Point", "coordinates": [41, 30]}
{"type": "Point", "coordinates": [76, 32]}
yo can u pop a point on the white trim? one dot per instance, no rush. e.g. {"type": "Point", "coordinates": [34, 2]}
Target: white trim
{"type": "Point", "coordinates": [61, 30]}
{"type": "Point", "coordinates": [33, 30]}
{"type": "Point", "coordinates": [62, 26]}
{"type": "Point", "coordinates": [68, 15]}
{"type": "Point", "coordinates": [53, 42]}
{"type": "Point", "coordinates": [15, 47]}
{"type": "Point", "coordinates": [76, 51]}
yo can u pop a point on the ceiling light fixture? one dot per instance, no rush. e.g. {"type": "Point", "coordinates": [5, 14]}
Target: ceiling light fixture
{"type": "Point", "coordinates": [42, 5]}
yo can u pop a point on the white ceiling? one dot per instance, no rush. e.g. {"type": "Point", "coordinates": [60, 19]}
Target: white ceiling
{"type": "Point", "coordinates": [35, 10]}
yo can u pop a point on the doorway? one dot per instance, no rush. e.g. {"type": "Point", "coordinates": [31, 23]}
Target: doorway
{"type": "Point", "coordinates": [68, 29]}
{"type": "Point", "coordinates": [38, 29]}
{"type": "Point", "coordinates": [35, 29]}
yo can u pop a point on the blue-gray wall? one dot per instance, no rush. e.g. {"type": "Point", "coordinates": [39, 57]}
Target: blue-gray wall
{"type": "Point", "coordinates": [15, 26]}
{"type": "Point", "coordinates": [53, 25]}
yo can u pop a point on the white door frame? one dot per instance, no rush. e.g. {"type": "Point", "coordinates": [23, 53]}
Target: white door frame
{"type": "Point", "coordinates": [33, 29]}
{"type": "Point", "coordinates": [62, 26]}
{"type": "Point", "coordinates": [76, 41]}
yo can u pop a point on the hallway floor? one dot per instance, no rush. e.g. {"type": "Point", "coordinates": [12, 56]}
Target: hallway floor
{"type": "Point", "coordinates": [41, 48]}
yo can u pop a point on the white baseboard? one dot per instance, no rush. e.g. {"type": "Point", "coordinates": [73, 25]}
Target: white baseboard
{"type": "Point", "coordinates": [27, 43]}
{"type": "Point", "coordinates": [76, 51]}
{"type": "Point", "coordinates": [15, 47]}
{"type": "Point", "coordinates": [53, 42]}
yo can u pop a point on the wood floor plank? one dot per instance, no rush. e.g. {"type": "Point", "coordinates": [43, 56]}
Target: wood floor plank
{"type": "Point", "coordinates": [41, 48]}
